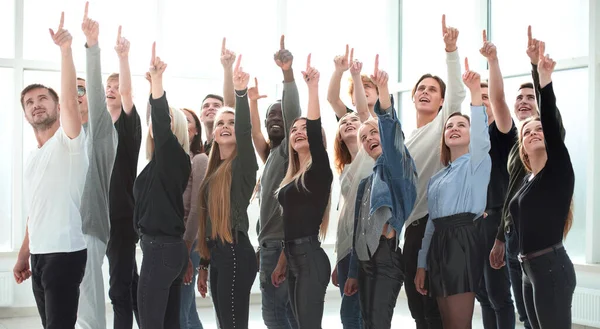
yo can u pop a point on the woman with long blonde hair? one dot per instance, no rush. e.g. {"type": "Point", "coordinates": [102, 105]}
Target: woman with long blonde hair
{"type": "Point", "coordinates": [304, 195]}
{"type": "Point", "coordinates": [224, 198]}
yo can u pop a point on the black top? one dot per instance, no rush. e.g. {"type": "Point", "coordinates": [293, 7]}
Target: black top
{"type": "Point", "coordinates": [243, 170]}
{"type": "Point", "coordinates": [540, 207]}
{"type": "Point", "coordinates": [304, 207]}
{"type": "Point", "coordinates": [348, 110]}
{"type": "Point", "coordinates": [159, 188]}
{"type": "Point", "coordinates": [516, 170]}
{"type": "Point", "coordinates": [129, 129]}
{"type": "Point", "coordinates": [208, 146]}
{"type": "Point", "coordinates": [501, 144]}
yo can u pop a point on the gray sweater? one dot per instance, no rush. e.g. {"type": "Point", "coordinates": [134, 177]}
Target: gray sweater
{"type": "Point", "coordinates": [101, 145]}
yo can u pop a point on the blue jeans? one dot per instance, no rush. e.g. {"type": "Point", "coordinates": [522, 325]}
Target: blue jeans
{"type": "Point", "coordinates": [515, 273]}
{"type": "Point", "coordinates": [494, 295]}
{"type": "Point", "coordinates": [350, 308]}
{"type": "Point", "coordinates": [188, 313]}
{"type": "Point", "coordinates": [276, 307]}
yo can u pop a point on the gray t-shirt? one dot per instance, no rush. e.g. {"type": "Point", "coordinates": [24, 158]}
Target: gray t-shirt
{"type": "Point", "coordinates": [101, 145]}
{"type": "Point", "coordinates": [271, 221]}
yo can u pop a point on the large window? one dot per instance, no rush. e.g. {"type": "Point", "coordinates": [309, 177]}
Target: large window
{"type": "Point", "coordinates": [6, 149]}
{"type": "Point", "coordinates": [7, 26]}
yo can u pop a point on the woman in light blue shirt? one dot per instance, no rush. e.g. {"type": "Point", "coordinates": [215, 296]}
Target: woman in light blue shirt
{"type": "Point", "coordinates": [451, 250]}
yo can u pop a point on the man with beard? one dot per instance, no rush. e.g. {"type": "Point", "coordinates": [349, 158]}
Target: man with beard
{"type": "Point", "coordinates": [276, 309]}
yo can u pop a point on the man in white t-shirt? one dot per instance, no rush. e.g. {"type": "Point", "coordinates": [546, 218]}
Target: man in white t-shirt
{"type": "Point", "coordinates": [53, 184]}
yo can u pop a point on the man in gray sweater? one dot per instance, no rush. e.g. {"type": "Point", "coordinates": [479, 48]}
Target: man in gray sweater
{"type": "Point", "coordinates": [101, 145]}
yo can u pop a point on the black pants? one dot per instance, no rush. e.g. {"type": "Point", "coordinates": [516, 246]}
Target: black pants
{"type": "Point", "coordinates": [424, 309]}
{"type": "Point", "coordinates": [379, 282]}
{"type": "Point", "coordinates": [55, 282]}
{"type": "Point", "coordinates": [308, 276]}
{"type": "Point", "coordinates": [516, 273]}
{"type": "Point", "coordinates": [548, 286]}
{"type": "Point", "coordinates": [497, 308]}
{"type": "Point", "coordinates": [233, 270]}
{"type": "Point", "coordinates": [123, 273]}
{"type": "Point", "coordinates": [159, 292]}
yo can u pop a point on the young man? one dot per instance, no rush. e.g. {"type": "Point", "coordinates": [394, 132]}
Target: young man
{"type": "Point", "coordinates": [54, 180]}
{"type": "Point", "coordinates": [121, 248]}
{"type": "Point", "coordinates": [210, 105]}
{"type": "Point", "coordinates": [101, 145]}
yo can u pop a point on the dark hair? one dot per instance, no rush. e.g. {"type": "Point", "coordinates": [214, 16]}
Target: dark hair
{"type": "Point", "coordinates": [445, 150]}
{"type": "Point", "coordinates": [196, 146]}
{"type": "Point", "coordinates": [278, 102]}
{"type": "Point", "coordinates": [213, 96]}
{"type": "Point", "coordinates": [436, 78]}
{"type": "Point", "coordinates": [34, 86]}
{"type": "Point", "coordinates": [483, 84]}
{"type": "Point", "coordinates": [526, 85]}
{"type": "Point", "coordinates": [80, 79]}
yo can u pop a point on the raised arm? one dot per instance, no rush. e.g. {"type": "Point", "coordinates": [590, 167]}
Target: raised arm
{"type": "Point", "coordinates": [122, 49]}
{"type": "Point", "coordinates": [455, 91]}
{"type": "Point", "coordinates": [360, 97]}
{"type": "Point", "coordinates": [160, 117]}
{"type": "Point", "coordinates": [314, 131]}
{"type": "Point", "coordinates": [227, 60]}
{"type": "Point", "coordinates": [243, 125]}
{"type": "Point", "coordinates": [70, 117]}
{"type": "Point", "coordinates": [290, 101]}
{"type": "Point", "coordinates": [148, 107]}
{"type": "Point", "coordinates": [479, 147]}
{"type": "Point", "coordinates": [500, 109]}
{"type": "Point", "coordinates": [260, 142]}
{"type": "Point", "coordinates": [342, 64]}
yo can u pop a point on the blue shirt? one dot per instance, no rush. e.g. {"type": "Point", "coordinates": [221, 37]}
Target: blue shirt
{"type": "Point", "coordinates": [462, 185]}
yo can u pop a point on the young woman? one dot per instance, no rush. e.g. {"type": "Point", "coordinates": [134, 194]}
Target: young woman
{"type": "Point", "coordinates": [451, 250]}
{"type": "Point", "coordinates": [542, 212]}
{"type": "Point", "coordinates": [188, 315]}
{"type": "Point", "coordinates": [352, 164]}
{"type": "Point", "coordinates": [304, 196]}
{"type": "Point", "coordinates": [223, 203]}
{"type": "Point", "coordinates": [159, 217]}
{"type": "Point", "coordinates": [383, 202]}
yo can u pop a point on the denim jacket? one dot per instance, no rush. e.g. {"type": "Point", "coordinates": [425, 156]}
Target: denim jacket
{"type": "Point", "coordinates": [394, 178]}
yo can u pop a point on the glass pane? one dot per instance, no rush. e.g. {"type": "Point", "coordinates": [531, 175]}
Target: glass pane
{"type": "Point", "coordinates": [6, 148]}
{"type": "Point", "coordinates": [567, 39]}
{"type": "Point", "coordinates": [7, 26]}
{"type": "Point", "coordinates": [422, 39]}
{"type": "Point", "coordinates": [41, 15]}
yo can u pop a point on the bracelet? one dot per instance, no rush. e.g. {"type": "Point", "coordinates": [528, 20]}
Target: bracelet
{"type": "Point", "coordinates": [244, 95]}
{"type": "Point", "coordinates": [202, 268]}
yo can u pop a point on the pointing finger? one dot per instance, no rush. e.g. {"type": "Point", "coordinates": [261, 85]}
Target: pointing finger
{"type": "Point", "coordinates": [308, 61]}
{"type": "Point", "coordinates": [256, 82]}
{"type": "Point", "coordinates": [529, 35]}
{"type": "Point", "coordinates": [62, 20]}
{"type": "Point", "coordinates": [153, 53]}
{"type": "Point", "coordinates": [376, 65]}
{"type": "Point", "coordinates": [485, 39]}
{"type": "Point", "coordinates": [223, 45]}
{"type": "Point", "coordinates": [444, 28]}
{"type": "Point", "coordinates": [119, 34]}
{"type": "Point", "coordinates": [542, 48]}
{"type": "Point", "coordinates": [282, 42]}
{"type": "Point", "coordinates": [351, 55]}
{"type": "Point", "coordinates": [85, 12]}
{"type": "Point", "coordinates": [238, 62]}
{"type": "Point", "coordinates": [347, 49]}
{"type": "Point", "coordinates": [467, 64]}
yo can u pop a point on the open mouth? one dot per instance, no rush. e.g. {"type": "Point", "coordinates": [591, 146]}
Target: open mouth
{"type": "Point", "coordinates": [299, 139]}
{"type": "Point", "coordinates": [535, 139]}
{"type": "Point", "coordinates": [276, 127]}
{"type": "Point", "coordinates": [373, 146]}
{"type": "Point", "coordinates": [226, 133]}
{"type": "Point", "coordinates": [454, 136]}
{"type": "Point", "coordinates": [111, 97]}
{"type": "Point", "coordinates": [424, 100]}
{"type": "Point", "coordinates": [37, 112]}
{"type": "Point", "coordinates": [524, 109]}
{"type": "Point", "coordinates": [350, 128]}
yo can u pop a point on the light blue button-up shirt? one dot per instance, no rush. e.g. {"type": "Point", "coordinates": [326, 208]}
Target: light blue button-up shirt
{"type": "Point", "coordinates": [462, 185]}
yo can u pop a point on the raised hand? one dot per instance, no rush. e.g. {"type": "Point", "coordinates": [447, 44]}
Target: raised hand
{"type": "Point", "coordinates": [533, 47]}
{"type": "Point", "coordinates": [157, 66]}
{"type": "Point", "coordinates": [545, 66]}
{"type": "Point", "coordinates": [379, 77]}
{"type": "Point", "coordinates": [227, 56]}
{"type": "Point", "coordinates": [342, 63]}
{"type": "Point", "coordinates": [450, 35]}
{"type": "Point", "coordinates": [90, 28]}
{"type": "Point", "coordinates": [62, 37]}
{"type": "Point", "coordinates": [471, 79]}
{"type": "Point", "coordinates": [149, 77]}
{"type": "Point", "coordinates": [488, 50]}
{"type": "Point", "coordinates": [240, 78]}
{"type": "Point", "coordinates": [253, 93]}
{"type": "Point", "coordinates": [122, 46]}
{"type": "Point", "coordinates": [311, 75]}
{"type": "Point", "coordinates": [283, 57]}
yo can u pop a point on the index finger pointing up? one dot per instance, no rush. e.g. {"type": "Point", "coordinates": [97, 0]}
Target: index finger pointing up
{"type": "Point", "coordinates": [119, 34]}
{"type": "Point", "coordinates": [256, 82]}
{"type": "Point", "coordinates": [223, 45]}
{"type": "Point", "coordinates": [467, 64]}
{"type": "Point", "coordinates": [153, 53]}
{"type": "Point", "coordinates": [351, 55]}
{"type": "Point", "coordinates": [308, 61]}
{"type": "Point", "coordinates": [282, 42]}
{"type": "Point", "coordinates": [542, 49]}
{"type": "Point", "coordinates": [85, 12]}
{"type": "Point", "coordinates": [347, 50]}
{"type": "Point", "coordinates": [376, 65]}
{"type": "Point", "coordinates": [62, 20]}
{"type": "Point", "coordinates": [485, 39]}
{"type": "Point", "coordinates": [238, 62]}
{"type": "Point", "coordinates": [529, 36]}
{"type": "Point", "coordinates": [444, 28]}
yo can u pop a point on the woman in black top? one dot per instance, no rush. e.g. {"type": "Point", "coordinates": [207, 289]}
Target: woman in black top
{"type": "Point", "coordinates": [158, 212]}
{"type": "Point", "coordinates": [304, 195]}
{"type": "Point", "coordinates": [542, 212]}
{"type": "Point", "coordinates": [224, 198]}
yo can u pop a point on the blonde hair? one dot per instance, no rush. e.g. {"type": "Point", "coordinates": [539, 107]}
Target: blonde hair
{"type": "Point", "coordinates": [180, 130]}
{"type": "Point", "coordinates": [365, 79]}
{"type": "Point", "coordinates": [372, 122]}
{"type": "Point", "coordinates": [525, 160]}
{"type": "Point", "coordinates": [215, 195]}
{"type": "Point", "coordinates": [341, 153]}
{"type": "Point", "coordinates": [296, 172]}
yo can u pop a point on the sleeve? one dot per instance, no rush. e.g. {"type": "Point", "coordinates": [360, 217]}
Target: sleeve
{"type": "Point", "coordinates": [348, 110]}
{"type": "Point", "coordinates": [75, 145]}
{"type": "Point", "coordinates": [353, 269]}
{"type": "Point", "coordinates": [129, 129]}
{"type": "Point", "coordinates": [422, 258]}
{"type": "Point", "coordinates": [320, 159]}
{"type": "Point", "coordinates": [290, 102]}
{"type": "Point", "coordinates": [455, 90]}
{"type": "Point", "coordinates": [392, 138]}
{"type": "Point", "coordinates": [243, 135]}
{"type": "Point", "coordinates": [199, 165]}
{"type": "Point", "coordinates": [555, 145]}
{"type": "Point", "coordinates": [479, 147]}
{"type": "Point", "coordinates": [536, 83]}
{"type": "Point", "coordinates": [100, 121]}
{"type": "Point", "coordinates": [165, 142]}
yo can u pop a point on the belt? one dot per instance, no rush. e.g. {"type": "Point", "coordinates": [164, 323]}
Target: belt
{"type": "Point", "coordinates": [539, 253]}
{"type": "Point", "coordinates": [295, 242]}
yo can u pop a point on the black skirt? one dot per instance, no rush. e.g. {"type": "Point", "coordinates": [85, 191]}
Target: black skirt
{"type": "Point", "coordinates": [455, 259]}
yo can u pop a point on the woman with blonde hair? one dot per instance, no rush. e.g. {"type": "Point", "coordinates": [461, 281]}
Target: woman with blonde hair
{"type": "Point", "coordinates": [224, 198]}
{"type": "Point", "coordinates": [158, 213]}
{"type": "Point", "coordinates": [542, 212]}
{"type": "Point", "coordinates": [304, 195]}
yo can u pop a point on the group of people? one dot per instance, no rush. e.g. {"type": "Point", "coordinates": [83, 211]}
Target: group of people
{"type": "Point", "coordinates": [473, 193]}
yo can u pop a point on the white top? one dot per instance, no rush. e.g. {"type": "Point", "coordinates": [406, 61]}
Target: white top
{"type": "Point", "coordinates": [53, 185]}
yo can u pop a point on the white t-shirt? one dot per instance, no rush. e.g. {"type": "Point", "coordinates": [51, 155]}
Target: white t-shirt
{"type": "Point", "coordinates": [53, 185]}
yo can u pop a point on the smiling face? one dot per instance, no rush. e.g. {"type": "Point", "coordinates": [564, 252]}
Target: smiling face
{"type": "Point", "coordinates": [210, 106]}
{"type": "Point", "coordinates": [532, 136]}
{"type": "Point", "coordinates": [525, 105]}
{"type": "Point", "coordinates": [369, 138]}
{"type": "Point", "coordinates": [428, 96]}
{"type": "Point", "coordinates": [191, 123]}
{"type": "Point", "coordinates": [82, 99]}
{"type": "Point", "coordinates": [113, 97]}
{"type": "Point", "coordinates": [224, 129]}
{"type": "Point", "coordinates": [348, 127]}
{"type": "Point", "coordinates": [274, 122]}
{"type": "Point", "coordinates": [298, 137]}
{"type": "Point", "coordinates": [457, 131]}
{"type": "Point", "coordinates": [41, 109]}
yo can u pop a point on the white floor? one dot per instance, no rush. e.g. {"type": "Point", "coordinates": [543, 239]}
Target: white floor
{"type": "Point", "coordinates": [331, 319]}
